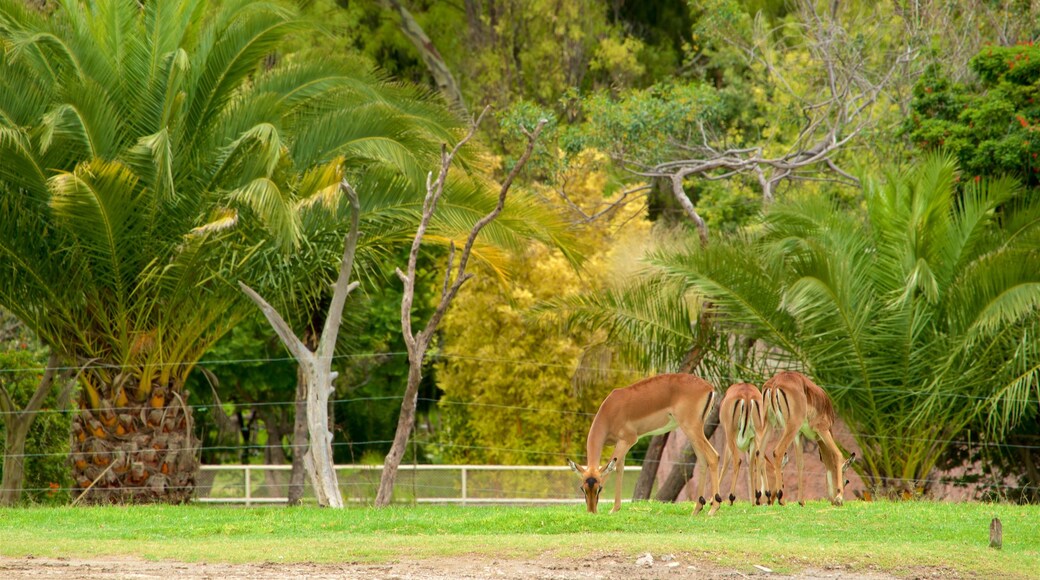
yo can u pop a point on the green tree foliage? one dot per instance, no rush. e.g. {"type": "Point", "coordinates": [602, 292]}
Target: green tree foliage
{"type": "Point", "coordinates": [511, 394]}
{"type": "Point", "coordinates": [918, 317]}
{"type": "Point", "coordinates": [47, 479]}
{"type": "Point", "coordinates": [528, 49]}
{"type": "Point", "coordinates": [990, 126]}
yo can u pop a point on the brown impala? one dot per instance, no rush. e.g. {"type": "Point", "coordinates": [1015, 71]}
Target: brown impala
{"type": "Point", "coordinates": [742, 416]}
{"type": "Point", "coordinates": [649, 407]}
{"type": "Point", "coordinates": [796, 405]}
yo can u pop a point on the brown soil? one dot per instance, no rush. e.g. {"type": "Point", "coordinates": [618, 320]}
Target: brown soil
{"type": "Point", "coordinates": [600, 566]}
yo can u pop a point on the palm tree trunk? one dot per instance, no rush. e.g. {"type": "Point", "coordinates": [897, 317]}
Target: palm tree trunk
{"type": "Point", "coordinates": [439, 70]}
{"type": "Point", "coordinates": [129, 451]}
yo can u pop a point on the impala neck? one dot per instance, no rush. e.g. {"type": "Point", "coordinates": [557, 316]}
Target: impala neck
{"type": "Point", "coordinates": [594, 445]}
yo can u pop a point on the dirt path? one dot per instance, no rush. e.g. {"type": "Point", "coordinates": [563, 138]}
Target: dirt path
{"type": "Point", "coordinates": [603, 566]}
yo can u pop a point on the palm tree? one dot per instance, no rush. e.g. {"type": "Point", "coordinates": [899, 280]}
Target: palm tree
{"type": "Point", "coordinates": [918, 316]}
{"type": "Point", "coordinates": [151, 156]}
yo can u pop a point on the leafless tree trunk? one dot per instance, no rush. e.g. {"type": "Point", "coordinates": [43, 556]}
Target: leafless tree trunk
{"type": "Point", "coordinates": [430, 56]}
{"type": "Point", "coordinates": [683, 470]}
{"type": "Point", "coordinates": [454, 278]}
{"type": "Point", "coordinates": [647, 476]}
{"type": "Point", "coordinates": [17, 426]}
{"type": "Point", "coordinates": [299, 440]}
{"type": "Point", "coordinates": [316, 365]}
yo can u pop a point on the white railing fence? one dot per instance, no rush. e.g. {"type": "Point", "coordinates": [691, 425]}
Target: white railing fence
{"type": "Point", "coordinates": [447, 484]}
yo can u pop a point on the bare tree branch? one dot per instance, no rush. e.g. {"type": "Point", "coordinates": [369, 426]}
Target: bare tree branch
{"type": "Point", "coordinates": [848, 92]}
{"type": "Point", "coordinates": [455, 276]}
{"type": "Point", "coordinates": [316, 366]}
{"type": "Point", "coordinates": [343, 287]}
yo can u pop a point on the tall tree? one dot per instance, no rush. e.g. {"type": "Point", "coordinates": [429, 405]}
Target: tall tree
{"type": "Point", "coordinates": [17, 419]}
{"type": "Point", "coordinates": [152, 156]}
{"type": "Point", "coordinates": [455, 275]}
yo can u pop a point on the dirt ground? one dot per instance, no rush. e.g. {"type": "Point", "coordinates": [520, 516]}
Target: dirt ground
{"type": "Point", "coordinates": [599, 566]}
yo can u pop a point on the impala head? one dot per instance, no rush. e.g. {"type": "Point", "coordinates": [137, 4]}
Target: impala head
{"type": "Point", "coordinates": [592, 478]}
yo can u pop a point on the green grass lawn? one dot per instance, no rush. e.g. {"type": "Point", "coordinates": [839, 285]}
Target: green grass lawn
{"type": "Point", "coordinates": [899, 537]}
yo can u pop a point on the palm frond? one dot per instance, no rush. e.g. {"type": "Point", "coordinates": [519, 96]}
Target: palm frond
{"type": "Point", "coordinates": [648, 321]}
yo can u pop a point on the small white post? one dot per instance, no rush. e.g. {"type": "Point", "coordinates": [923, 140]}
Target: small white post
{"type": "Point", "coordinates": [249, 486]}
{"type": "Point", "coordinates": [463, 485]}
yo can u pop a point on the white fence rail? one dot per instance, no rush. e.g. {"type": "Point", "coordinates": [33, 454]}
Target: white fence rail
{"type": "Point", "coordinates": [447, 484]}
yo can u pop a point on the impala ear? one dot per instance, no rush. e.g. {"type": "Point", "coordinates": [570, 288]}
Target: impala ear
{"type": "Point", "coordinates": [575, 467]}
{"type": "Point", "coordinates": [609, 467]}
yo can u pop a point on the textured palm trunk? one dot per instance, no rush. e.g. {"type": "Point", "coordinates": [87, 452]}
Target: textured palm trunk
{"type": "Point", "coordinates": [125, 451]}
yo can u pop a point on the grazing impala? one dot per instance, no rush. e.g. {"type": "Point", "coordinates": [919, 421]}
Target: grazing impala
{"type": "Point", "coordinates": [796, 405]}
{"type": "Point", "coordinates": [650, 407]}
{"type": "Point", "coordinates": [742, 416]}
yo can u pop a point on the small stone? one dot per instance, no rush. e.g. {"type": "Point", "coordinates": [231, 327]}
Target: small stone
{"type": "Point", "coordinates": [645, 560]}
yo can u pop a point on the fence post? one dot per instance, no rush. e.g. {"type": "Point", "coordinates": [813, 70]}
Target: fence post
{"type": "Point", "coordinates": [463, 485]}
{"type": "Point", "coordinates": [249, 486]}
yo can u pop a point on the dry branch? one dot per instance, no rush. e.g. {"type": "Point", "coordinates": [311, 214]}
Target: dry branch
{"type": "Point", "coordinates": [849, 88]}
{"type": "Point", "coordinates": [316, 366]}
{"type": "Point", "coordinates": [455, 276]}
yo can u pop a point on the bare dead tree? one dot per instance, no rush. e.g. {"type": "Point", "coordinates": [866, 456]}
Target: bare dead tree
{"type": "Point", "coordinates": [454, 277]}
{"type": "Point", "coordinates": [446, 83]}
{"type": "Point", "coordinates": [837, 110]}
{"type": "Point", "coordinates": [316, 365]}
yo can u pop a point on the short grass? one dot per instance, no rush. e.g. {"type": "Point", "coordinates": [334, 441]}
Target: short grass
{"type": "Point", "coordinates": [904, 538]}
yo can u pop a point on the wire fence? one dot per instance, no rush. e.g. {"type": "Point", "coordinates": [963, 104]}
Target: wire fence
{"type": "Point", "coordinates": [522, 362]}
{"type": "Point", "coordinates": [859, 436]}
{"type": "Point", "coordinates": [549, 456]}
{"type": "Point", "coordinates": [454, 484]}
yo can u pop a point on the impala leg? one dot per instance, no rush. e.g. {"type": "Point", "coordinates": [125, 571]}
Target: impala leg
{"type": "Point", "coordinates": [835, 481]}
{"type": "Point", "coordinates": [790, 432]}
{"type": "Point", "coordinates": [709, 459]}
{"type": "Point", "coordinates": [751, 463]}
{"type": "Point", "coordinates": [799, 460]}
{"type": "Point", "coordinates": [765, 466]}
{"type": "Point", "coordinates": [730, 458]}
{"type": "Point", "coordinates": [620, 451]}
{"type": "Point", "coordinates": [759, 479]}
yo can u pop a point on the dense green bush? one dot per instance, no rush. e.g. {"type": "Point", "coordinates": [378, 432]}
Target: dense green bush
{"type": "Point", "coordinates": [990, 126]}
{"type": "Point", "coordinates": [47, 478]}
